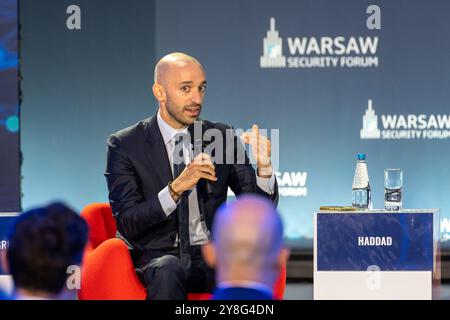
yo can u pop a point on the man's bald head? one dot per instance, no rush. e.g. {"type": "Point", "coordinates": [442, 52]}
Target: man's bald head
{"type": "Point", "coordinates": [248, 233]}
{"type": "Point", "coordinates": [179, 88]}
{"type": "Point", "coordinates": [169, 62]}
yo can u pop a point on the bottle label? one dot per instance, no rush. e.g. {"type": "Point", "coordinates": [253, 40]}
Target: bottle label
{"type": "Point", "coordinates": [361, 179]}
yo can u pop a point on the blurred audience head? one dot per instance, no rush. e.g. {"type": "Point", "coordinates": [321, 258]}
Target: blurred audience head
{"type": "Point", "coordinates": [44, 245]}
{"type": "Point", "coordinates": [247, 243]}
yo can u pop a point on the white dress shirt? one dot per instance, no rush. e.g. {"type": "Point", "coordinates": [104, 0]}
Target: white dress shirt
{"type": "Point", "coordinates": [198, 233]}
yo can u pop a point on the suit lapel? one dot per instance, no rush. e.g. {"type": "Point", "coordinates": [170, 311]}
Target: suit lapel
{"type": "Point", "coordinates": [157, 153]}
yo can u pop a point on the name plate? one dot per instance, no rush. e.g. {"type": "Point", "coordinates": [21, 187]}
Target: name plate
{"type": "Point", "coordinates": [375, 241]}
{"type": "Point", "coordinates": [5, 223]}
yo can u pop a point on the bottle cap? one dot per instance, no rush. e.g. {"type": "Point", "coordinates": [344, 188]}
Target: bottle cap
{"type": "Point", "coordinates": [361, 156]}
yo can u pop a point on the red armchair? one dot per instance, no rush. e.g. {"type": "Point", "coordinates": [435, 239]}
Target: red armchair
{"type": "Point", "coordinates": [108, 272]}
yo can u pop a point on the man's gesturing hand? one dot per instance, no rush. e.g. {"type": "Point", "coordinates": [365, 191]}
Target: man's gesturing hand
{"type": "Point", "coordinates": [260, 150]}
{"type": "Point", "coordinates": [200, 168]}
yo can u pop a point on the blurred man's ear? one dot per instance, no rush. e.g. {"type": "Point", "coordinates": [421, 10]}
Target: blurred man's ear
{"type": "Point", "coordinates": [283, 257]}
{"type": "Point", "coordinates": [158, 92]}
{"type": "Point", "coordinates": [209, 254]}
{"type": "Point", "coordinates": [4, 261]}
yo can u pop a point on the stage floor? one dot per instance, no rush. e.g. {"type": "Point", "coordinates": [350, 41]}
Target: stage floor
{"type": "Point", "coordinates": [304, 291]}
{"type": "Point", "coordinates": [294, 291]}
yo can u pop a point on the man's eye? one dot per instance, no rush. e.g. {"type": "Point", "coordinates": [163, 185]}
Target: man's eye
{"type": "Point", "coordinates": [185, 88]}
{"type": "Point", "coordinates": [202, 88]}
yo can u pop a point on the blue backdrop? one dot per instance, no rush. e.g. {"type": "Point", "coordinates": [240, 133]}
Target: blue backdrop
{"type": "Point", "coordinates": [9, 108]}
{"type": "Point", "coordinates": [335, 77]}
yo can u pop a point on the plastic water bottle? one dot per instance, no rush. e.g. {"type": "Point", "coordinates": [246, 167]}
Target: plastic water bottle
{"type": "Point", "coordinates": [361, 197]}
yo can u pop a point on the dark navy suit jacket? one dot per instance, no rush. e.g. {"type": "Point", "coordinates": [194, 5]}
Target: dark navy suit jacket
{"type": "Point", "coordinates": [138, 169]}
{"type": "Point", "coordinates": [240, 293]}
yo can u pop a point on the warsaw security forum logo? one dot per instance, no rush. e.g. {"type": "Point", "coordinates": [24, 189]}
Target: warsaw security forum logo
{"type": "Point", "coordinates": [370, 124]}
{"type": "Point", "coordinates": [318, 52]}
{"type": "Point", "coordinates": [273, 49]}
{"type": "Point", "coordinates": [404, 126]}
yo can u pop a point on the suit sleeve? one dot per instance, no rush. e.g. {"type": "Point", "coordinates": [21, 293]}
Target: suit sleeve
{"type": "Point", "coordinates": [243, 176]}
{"type": "Point", "coordinates": [134, 214]}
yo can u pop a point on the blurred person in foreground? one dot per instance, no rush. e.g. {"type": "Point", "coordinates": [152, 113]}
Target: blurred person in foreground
{"type": "Point", "coordinates": [246, 250]}
{"type": "Point", "coordinates": [45, 246]}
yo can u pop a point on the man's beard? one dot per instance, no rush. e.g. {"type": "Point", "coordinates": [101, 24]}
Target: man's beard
{"type": "Point", "coordinates": [179, 118]}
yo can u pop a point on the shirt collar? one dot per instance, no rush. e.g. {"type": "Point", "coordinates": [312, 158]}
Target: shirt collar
{"type": "Point", "coordinates": [167, 131]}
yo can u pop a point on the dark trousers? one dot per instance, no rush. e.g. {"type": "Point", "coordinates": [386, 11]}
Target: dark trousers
{"type": "Point", "coordinates": [165, 278]}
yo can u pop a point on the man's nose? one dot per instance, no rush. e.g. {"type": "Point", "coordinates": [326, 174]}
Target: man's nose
{"type": "Point", "coordinates": [197, 97]}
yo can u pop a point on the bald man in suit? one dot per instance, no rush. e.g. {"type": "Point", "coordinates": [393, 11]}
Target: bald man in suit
{"type": "Point", "coordinates": [164, 208]}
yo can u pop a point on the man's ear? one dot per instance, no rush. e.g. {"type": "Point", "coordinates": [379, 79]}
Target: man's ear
{"type": "Point", "coordinates": [4, 261]}
{"type": "Point", "coordinates": [209, 254]}
{"type": "Point", "coordinates": [158, 92]}
{"type": "Point", "coordinates": [283, 257]}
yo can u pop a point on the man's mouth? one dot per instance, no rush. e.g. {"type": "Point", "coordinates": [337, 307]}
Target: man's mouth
{"type": "Point", "coordinates": [193, 111]}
